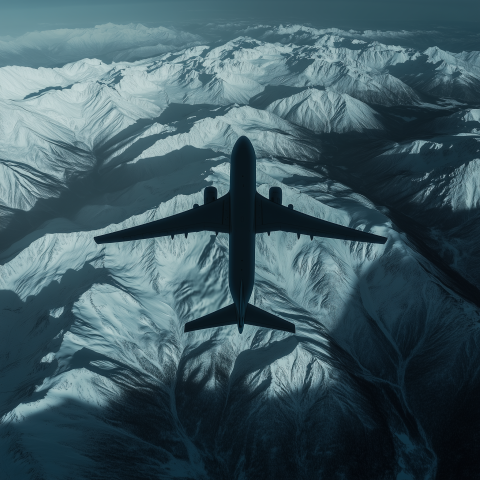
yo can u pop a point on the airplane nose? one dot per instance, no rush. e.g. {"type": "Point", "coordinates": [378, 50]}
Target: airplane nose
{"type": "Point", "coordinates": [242, 139]}
{"type": "Point", "coordinates": [243, 148]}
{"type": "Point", "coordinates": [243, 143]}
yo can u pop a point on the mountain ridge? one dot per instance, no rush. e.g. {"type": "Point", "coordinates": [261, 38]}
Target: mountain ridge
{"type": "Point", "coordinates": [381, 378]}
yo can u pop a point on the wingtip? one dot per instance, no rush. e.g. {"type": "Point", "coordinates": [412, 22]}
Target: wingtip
{"type": "Point", "coordinates": [100, 240]}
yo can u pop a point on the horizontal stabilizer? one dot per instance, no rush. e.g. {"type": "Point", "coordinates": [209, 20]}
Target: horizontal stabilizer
{"type": "Point", "coordinates": [220, 318]}
{"type": "Point", "coordinates": [260, 318]}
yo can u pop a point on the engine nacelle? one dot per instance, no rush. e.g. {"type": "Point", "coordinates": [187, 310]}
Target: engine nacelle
{"type": "Point", "coordinates": [275, 195]}
{"type": "Point", "coordinates": [209, 195]}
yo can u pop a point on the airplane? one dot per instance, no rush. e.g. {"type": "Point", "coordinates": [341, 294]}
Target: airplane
{"type": "Point", "coordinates": [242, 213]}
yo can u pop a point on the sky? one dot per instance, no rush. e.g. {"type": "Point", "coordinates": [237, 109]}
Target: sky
{"type": "Point", "coordinates": [23, 16]}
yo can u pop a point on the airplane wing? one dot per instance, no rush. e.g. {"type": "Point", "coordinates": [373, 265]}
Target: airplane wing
{"type": "Point", "coordinates": [271, 217]}
{"type": "Point", "coordinates": [211, 217]}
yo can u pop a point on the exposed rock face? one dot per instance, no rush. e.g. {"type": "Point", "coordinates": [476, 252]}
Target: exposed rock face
{"type": "Point", "coordinates": [98, 379]}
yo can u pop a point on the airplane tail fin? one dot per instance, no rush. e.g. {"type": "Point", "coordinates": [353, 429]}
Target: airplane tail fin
{"type": "Point", "coordinates": [220, 318]}
{"type": "Point", "coordinates": [260, 318]}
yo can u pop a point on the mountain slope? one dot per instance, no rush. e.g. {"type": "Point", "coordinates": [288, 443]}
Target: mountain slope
{"type": "Point", "coordinates": [324, 112]}
{"type": "Point", "coordinates": [98, 379]}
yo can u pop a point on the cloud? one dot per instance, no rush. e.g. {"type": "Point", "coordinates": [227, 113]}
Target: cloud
{"type": "Point", "coordinates": [107, 42]}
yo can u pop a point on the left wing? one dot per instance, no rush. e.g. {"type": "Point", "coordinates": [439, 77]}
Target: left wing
{"type": "Point", "coordinates": [271, 217]}
{"type": "Point", "coordinates": [212, 217]}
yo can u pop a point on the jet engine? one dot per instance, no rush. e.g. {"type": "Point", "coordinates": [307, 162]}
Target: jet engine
{"type": "Point", "coordinates": [275, 195]}
{"type": "Point", "coordinates": [209, 195]}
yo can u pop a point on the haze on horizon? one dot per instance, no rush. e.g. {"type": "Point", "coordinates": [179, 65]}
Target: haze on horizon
{"type": "Point", "coordinates": [30, 15]}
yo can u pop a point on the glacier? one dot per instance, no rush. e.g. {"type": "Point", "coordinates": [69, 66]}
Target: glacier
{"type": "Point", "coordinates": [98, 379]}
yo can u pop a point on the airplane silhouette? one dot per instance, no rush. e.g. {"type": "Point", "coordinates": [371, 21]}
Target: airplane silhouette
{"type": "Point", "coordinates": [242, 213]}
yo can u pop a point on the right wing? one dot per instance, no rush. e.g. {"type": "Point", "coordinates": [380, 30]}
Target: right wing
{"type": "Point", "coordinates": [271, 217]}
{"type": "Point", "coordinates": [212, 217]}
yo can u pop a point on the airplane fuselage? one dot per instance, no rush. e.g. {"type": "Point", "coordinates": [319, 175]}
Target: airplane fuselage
{"type": "Point", "coordinates": [242, 226]}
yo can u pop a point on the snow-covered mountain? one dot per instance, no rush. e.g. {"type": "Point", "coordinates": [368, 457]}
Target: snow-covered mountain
{"type": "Point", "coordinates": [98, 380]}
{"type": "Point", "coordinates": [325, 112]}
{"type": "Point", "coordinates": [463, 121]}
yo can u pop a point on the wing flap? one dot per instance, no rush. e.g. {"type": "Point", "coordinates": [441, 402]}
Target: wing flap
{"type": "Point", "coordinates": [260, 318]}
{"type": "Point", "coordinates": [271, 217]}
{"type": "Point", "coordinates": [220, 318]}
{"type": "Point", "coordinates": [212, 217]}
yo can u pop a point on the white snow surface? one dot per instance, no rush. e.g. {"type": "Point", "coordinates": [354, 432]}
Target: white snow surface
{"type": "Point", "coordinates": [322, 111]}
{"type": "Point", "coordinates": [463, 121]}
{"type": "Point", "coordinates": [98, 379]}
